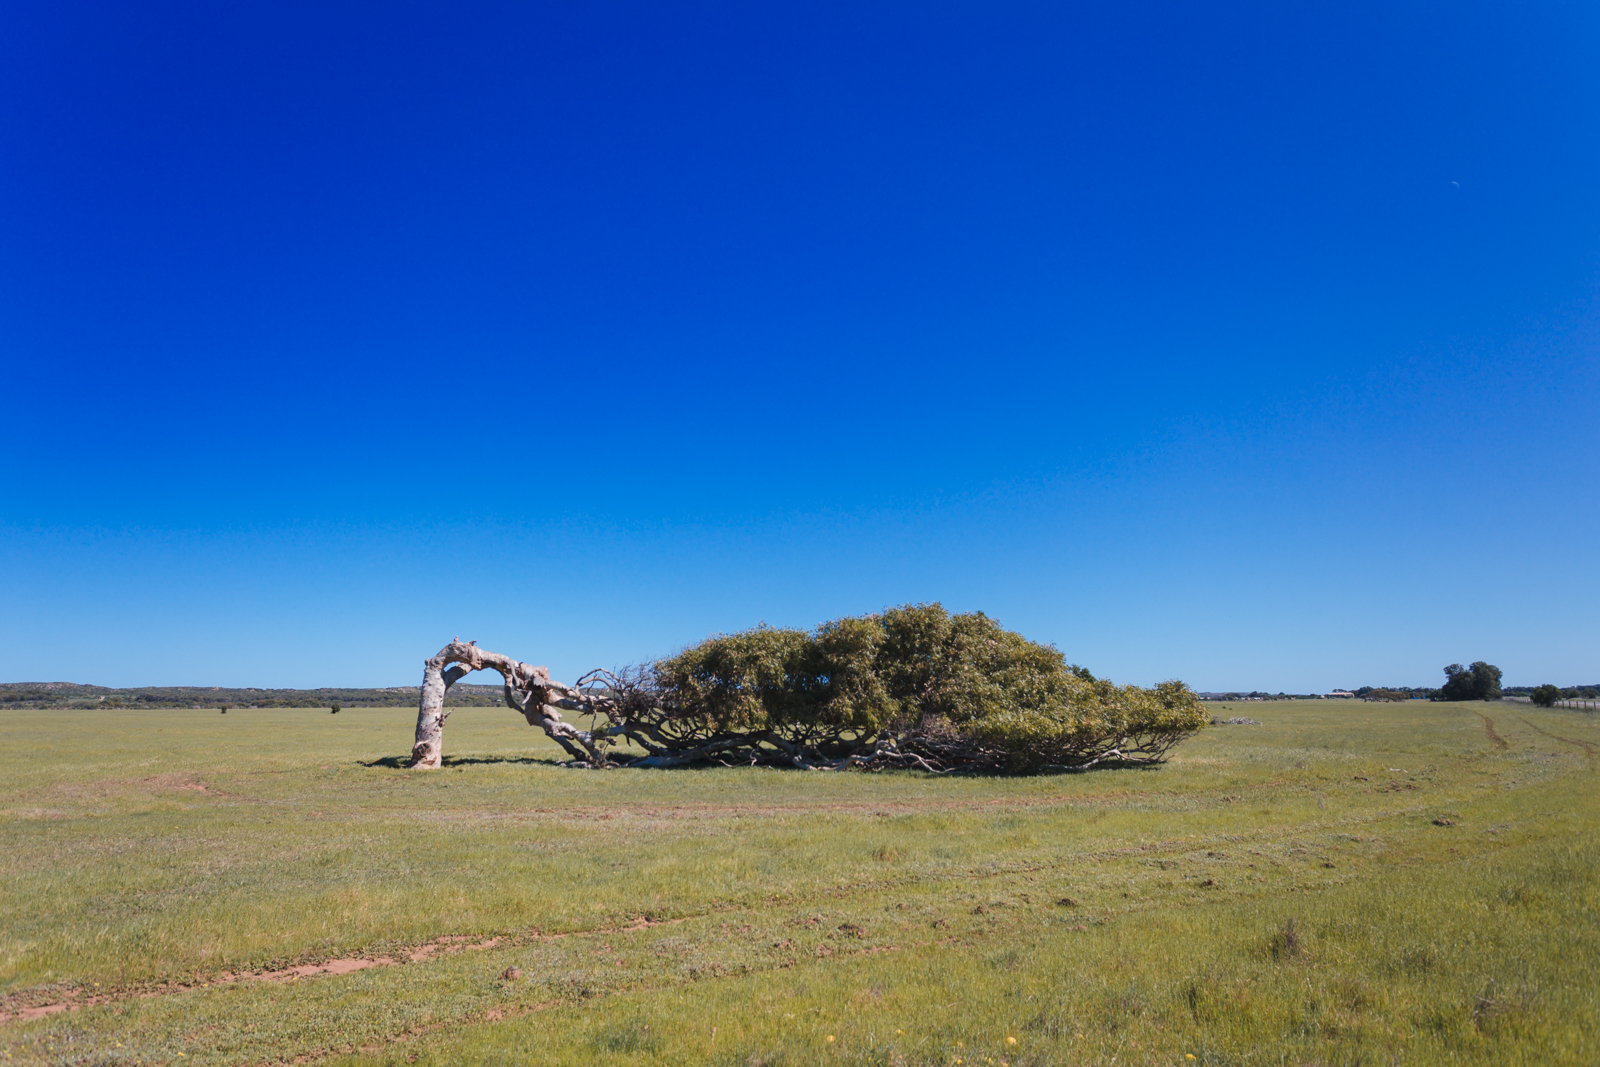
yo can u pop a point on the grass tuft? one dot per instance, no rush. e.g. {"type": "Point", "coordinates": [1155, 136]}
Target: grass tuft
{"type": "Point", "coordinates": [1286, 944]}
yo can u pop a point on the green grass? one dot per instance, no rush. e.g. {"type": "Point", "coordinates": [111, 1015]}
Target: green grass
{"type": "Point", "coordinates": [1122, 917]}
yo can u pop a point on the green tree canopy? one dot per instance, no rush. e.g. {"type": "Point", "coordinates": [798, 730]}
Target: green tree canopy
{"type": "Point", "coordinates": [928, 680]}
{"type": "Point", "coordinates": [1481, 681]}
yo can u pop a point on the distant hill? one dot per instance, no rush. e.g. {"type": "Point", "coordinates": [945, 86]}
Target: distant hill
{"type": "Point", "coordinates": [72, 694]}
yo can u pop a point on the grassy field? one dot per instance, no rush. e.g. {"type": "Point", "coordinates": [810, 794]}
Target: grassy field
{"type": "Point", "coordinates": [1343, 884]}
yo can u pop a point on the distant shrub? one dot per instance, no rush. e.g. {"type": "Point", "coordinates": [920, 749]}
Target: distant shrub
{"type": "Point", "coordinates": [1545, 696]}
{"type": "Point", "coordinates": [335, 709]}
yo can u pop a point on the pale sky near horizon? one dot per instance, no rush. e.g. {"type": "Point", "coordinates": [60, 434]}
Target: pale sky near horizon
{"type": "Point", "coordinates": [1248, 345]}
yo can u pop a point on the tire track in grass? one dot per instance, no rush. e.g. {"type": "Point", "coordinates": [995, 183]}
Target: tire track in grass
{"type": "Point", "coordinates": [1488, 728]}
{"type": "Point", "coordinates": [1587, 746]}
{"type": "Point", "coordinates": [440, 946]}
{"type": "Point", "coordinates": [325, 968]}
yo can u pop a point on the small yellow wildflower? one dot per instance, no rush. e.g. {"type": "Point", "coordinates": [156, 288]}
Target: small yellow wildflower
{"type": "Point", "coordinates": [1188, 1055]}
{"type": "Point", "coordinates": [1011, 1041]}
{"type": "Point", "coordinates": [829, 1039]}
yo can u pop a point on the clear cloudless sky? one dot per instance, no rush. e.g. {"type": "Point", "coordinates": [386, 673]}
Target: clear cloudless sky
{"type": "Point", "coordinates": [1253, 345]}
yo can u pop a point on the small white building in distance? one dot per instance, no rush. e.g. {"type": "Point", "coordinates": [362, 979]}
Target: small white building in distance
{"type": "Point", "coordinates": [1341, 694]}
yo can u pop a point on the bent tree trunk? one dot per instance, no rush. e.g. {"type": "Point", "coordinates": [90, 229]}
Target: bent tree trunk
{"type": "Point", "coordinates": [528, 689]}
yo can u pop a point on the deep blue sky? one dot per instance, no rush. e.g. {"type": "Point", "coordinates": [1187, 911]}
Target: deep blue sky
{"type": "Point", "coordinates": [1250, 345]}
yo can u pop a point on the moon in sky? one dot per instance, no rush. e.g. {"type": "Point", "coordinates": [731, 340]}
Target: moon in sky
{"type": "Point", "coordinates": [1456, 184]}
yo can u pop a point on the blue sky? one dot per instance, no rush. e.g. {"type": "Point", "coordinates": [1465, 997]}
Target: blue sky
{"type": "Point", "coordinates": [1249, 345]}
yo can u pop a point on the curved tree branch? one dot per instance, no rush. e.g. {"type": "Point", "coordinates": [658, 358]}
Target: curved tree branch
{"type": "Point", "coordinates": [528, 689]}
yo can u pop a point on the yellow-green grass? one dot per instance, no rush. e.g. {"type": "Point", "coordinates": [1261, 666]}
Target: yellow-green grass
{"type": "Point", "coordinates": [145, 856]}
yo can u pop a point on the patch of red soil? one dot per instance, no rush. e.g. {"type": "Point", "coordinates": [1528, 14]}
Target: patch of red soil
{"type": "Point", "coordinates": [35, 1013]}
{"type": "Point", "coordinates": [324, 969]}
{"type": "Point", "coordinates": [308, 970]}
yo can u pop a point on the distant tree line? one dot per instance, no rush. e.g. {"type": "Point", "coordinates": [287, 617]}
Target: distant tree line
{"type": "Point", "coordinates": [1388, 692]}
{"type": "Point", "coordinates": [1257, 694]}
{"type": "Point", "coordinates": [1476, 681]}
{"type": "Point", "coordinates": [28, 696]}
{"type": "Point", "coordinates": [59, 695]}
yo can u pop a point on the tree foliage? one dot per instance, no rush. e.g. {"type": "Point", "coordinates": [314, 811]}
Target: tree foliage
{"type": "Point", "coordinates": [1481, 681]}
{"type": "Point", "coordinates": [912, 686]}
{"type": "Point", "coordinates": [1545, 695]}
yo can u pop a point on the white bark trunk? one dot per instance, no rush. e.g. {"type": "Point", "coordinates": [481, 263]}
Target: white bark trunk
{"type": "Point", "coordinates": [528, 689]}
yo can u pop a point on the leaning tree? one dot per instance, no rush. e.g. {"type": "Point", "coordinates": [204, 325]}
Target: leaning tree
{"type": "Point", "coordinates": [911, 687]}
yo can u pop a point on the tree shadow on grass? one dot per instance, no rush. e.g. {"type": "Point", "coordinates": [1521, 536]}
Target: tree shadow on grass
{"type": "Point", "coordinates": [1107, 765]}
{"type": "Point", "coordinates": [401, 763]}
{"type": "Point", "coordinates": [404, 763]}
{"type": "Point", "coordinates": [463, 761]}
